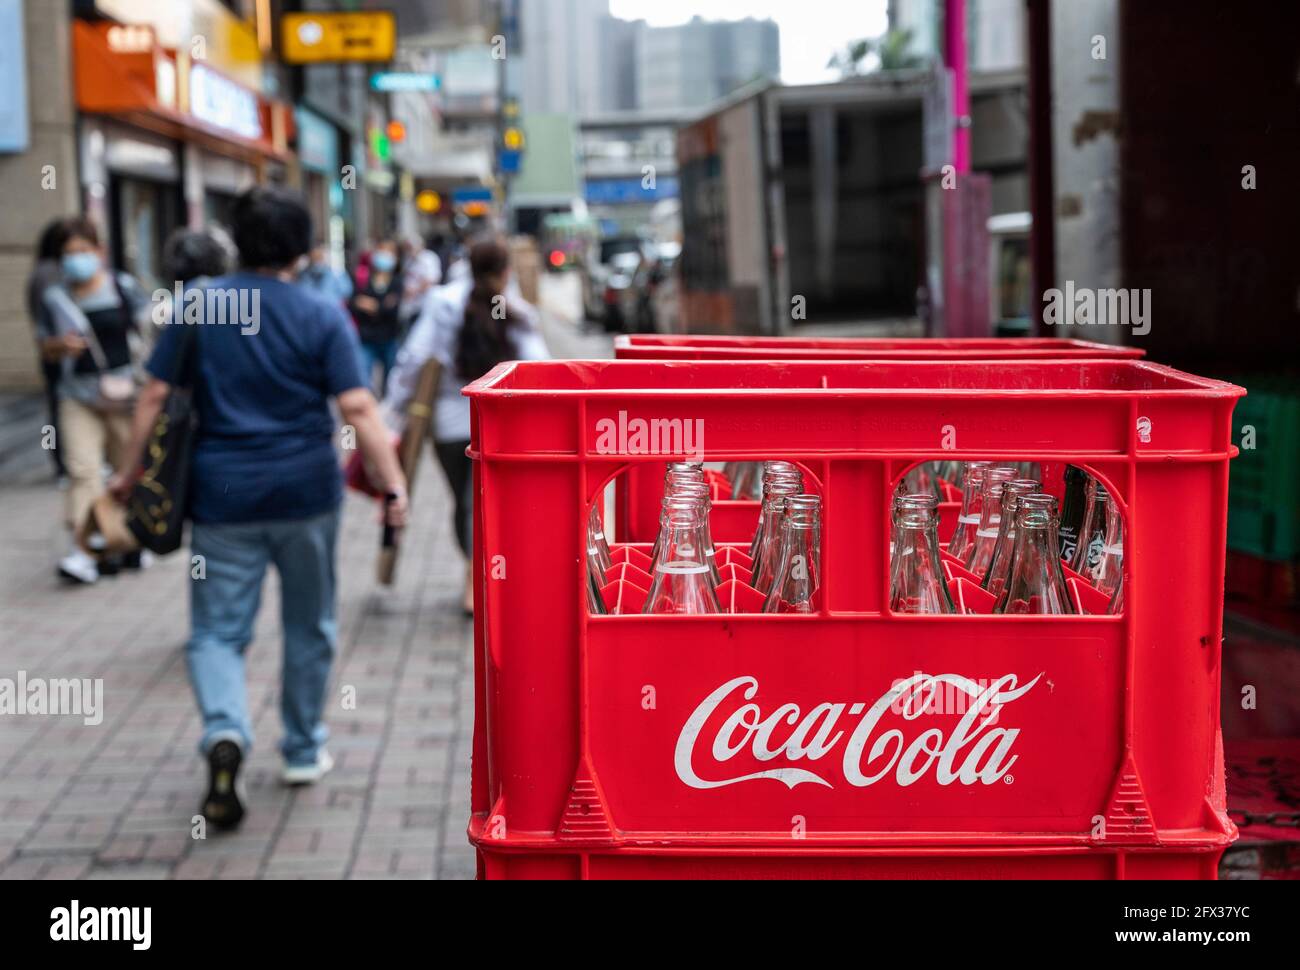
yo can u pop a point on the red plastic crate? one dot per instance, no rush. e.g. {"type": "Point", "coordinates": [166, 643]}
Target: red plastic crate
{"type": "Point", "coordinates": [684, 347]}
{"type": "Point", "coordinates": [587, 757]}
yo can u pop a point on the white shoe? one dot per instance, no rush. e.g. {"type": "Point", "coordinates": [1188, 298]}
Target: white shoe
{"type": "Point", "coordinates": [308, 774]}
{"type": "Point", "coordinates": [79, 567]}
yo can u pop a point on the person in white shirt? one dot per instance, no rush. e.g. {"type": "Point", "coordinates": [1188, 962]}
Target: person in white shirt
{"type": "Point", "coordinates": [469, 326]}
{"type": "Point", "coordinates": [422, 272]}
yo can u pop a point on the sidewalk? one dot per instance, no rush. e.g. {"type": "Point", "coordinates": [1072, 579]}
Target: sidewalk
{"type": "Point", "coordinates": [118, 800]}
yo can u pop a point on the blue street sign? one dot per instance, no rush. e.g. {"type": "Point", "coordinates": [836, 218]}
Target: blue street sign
{"type": "Point", "coordinates": [471, 194]}
{"type": "Point", "coordinates": [508, 161]}
{"type": "Point", "coordinates": [631, 190]}
{"type": "Point", "coordinates": [390, 81]}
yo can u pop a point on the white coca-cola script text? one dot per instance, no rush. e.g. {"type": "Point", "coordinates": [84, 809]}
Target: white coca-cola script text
{"type": "Point", "coordinates": [974, 751]}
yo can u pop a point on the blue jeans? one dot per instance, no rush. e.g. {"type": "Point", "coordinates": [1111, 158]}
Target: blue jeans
{"type": "Point", "coordinates": [384, 353]}
{"type": "Point", "coordinates": [223, 610]}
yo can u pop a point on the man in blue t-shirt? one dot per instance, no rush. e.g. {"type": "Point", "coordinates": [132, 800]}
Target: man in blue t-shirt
{"type": "Point", "coordinates": [265, 485]}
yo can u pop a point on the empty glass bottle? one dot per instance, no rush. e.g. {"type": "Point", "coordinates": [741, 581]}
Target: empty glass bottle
{"type": "Point", "coordinates": [1105, 569]}
{"type": "Point", "coordinates": [949, 471]}
{"type": "Point", "coordinates": [986, 536]}
{"type": "Point", "coordinates": [773, 472]}
{"type": "Point", "coordinates": [1072, 512]}
{"type": "Point", "coordinates": [745, 478]}
{"type": "Point", "coordinates": [972, 498]}
{"type": "Point", "coordinates": [683, 471]}
{"type": "Point", "coordinates": [700, 493]}
{"type": "Point", "coordinates": [798, 573]}
{"type": "Point", "coordinates": [597, 547]}
{"type": "Point", "coordinates": [900, 500]}
{"type": "Point", "coordinates": [1092, 536]}
{"type": "Point", "coordinates": [681, 582]}
{"type": "Point", "coordinates": [1037, 584]}
{"type": "Point", "coordinates": [595, 599]}
{"type": "Point", "coordinates": [598, 560]}
{"type": "Point", "coordinates": [916, 581]}
{"type": "Point", "coordinates": [769, 546]}
{"type": "Point", "coordinates": [1004, 549]}
{"type": "Point", "coordinates": [919, 481]}
{"type": "Point", "coordinates": [1117, 601]}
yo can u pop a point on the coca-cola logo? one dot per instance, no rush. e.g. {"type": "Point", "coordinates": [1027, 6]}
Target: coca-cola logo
{"type": "Point", "coordinates": [974, 750]}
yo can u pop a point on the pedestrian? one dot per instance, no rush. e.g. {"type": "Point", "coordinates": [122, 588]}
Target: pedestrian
{"type": "Point", "coordinates": [469, 327]}
{"type": "Point", "coordinates": [376, 308]}
{"type": "Point", "coordinates": [422, 272]}
{"type": "Point", "coordinates": [44, 274]}
{"type": "Point", "coordinates": [456, 267]}
{"type": "Point", "coordinates": [93, 322]}
{"type": "Point", "coordinates": [265, 488]}
{"type": "Point", "coordinates": [196, 256]}
{"type": "Point", "coordinates": [323, 279]}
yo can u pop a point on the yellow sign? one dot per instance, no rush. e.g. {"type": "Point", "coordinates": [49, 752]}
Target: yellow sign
{"type": "Point", "coordinates": [513, 139]}
{"type": "Point", "coordinates": [316, 38]}
{"type": "Point", "coordinates": [429, 201]}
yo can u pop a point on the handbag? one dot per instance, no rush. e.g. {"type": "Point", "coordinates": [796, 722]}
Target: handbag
{"type": "Point", "coordinates": [115, 392]}
{"type": "Point", "coordinates": [157, 507]}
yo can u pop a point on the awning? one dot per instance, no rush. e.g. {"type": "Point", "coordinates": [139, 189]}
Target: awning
{"type": "Point", "coordinates": [122, 72]}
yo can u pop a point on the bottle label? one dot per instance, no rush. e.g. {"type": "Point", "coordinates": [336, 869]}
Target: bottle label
{"type": "Point", "coordinates": [1069, 543]}
{"type": "Point", "coordinates": [1094, 552]}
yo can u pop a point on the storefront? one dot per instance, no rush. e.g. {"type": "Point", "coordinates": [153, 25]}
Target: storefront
{"type": "Point", "coordinates": [134, 190]}
{"type": "Point", "coordinates": [318, 156]}
{"type": "Point", "coordinates": [166, 141]}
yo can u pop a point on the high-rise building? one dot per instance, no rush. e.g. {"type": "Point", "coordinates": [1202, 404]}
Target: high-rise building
{"type": "Point", "coordinates": [619, 71]}
{"type": "Point", "coordinates": [580, 61]}
{"type": "Point", "coordinates": [562, 52]}
{"type": "Point", "coordinates": [696, 63]}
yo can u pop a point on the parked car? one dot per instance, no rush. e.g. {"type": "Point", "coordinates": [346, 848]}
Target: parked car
{"type": "Point", "coordinates": [619, 297]}
{"type": "Point", "coordinates": [664, 297]}
{"type": "Point", "coordinates": [597, 268]}
{"type": "Point", "coordinates": [632, 292]}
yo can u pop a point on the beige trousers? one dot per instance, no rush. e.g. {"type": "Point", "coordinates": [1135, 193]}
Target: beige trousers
{"type": "Point", "coordinates": [88, 439]}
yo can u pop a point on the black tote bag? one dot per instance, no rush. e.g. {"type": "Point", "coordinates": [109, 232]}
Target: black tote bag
{"type": "Point", "coordinates": [157, 509]}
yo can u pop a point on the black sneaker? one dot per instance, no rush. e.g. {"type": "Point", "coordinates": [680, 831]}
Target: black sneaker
{"type": "Point", "coordinates": [224, 806]}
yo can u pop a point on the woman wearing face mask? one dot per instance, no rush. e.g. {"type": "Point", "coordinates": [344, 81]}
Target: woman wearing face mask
{"type": "Point", "coordinates": [91, 318]}
{"type": "Point", "coordinates": [376, 307]}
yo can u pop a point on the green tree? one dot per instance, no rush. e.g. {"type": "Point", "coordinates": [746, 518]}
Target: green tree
{"type": "Point", "coordinates": [893, 51]}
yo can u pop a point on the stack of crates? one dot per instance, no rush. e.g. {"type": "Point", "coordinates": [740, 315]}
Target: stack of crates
{"type": "Point", "coordinates": [1264, 514]}
{"type": "Point", "coordinates": [851, 742]}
